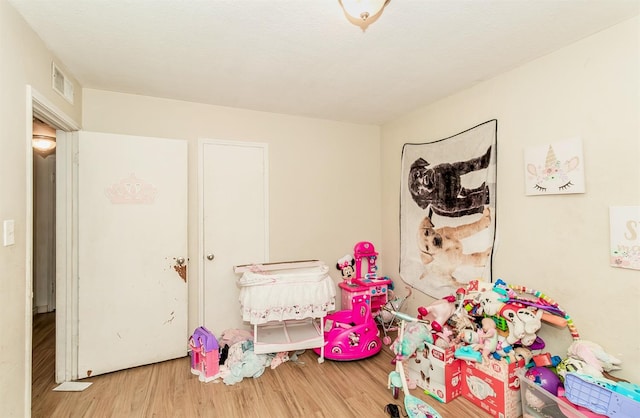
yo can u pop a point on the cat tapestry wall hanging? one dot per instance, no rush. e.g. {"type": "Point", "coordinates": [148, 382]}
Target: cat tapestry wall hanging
{"type": "Point", "coordinates": [448, 210]}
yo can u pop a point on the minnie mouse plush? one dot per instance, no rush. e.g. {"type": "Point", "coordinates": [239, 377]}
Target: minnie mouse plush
{"type": "Point", "coordinates": [346, 266]}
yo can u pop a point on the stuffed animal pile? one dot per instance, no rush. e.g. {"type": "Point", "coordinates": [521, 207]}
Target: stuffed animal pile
{"type": "Point", "coordinates": [492, 320]}
{"type": "Point", "coordinates": [500, 322]}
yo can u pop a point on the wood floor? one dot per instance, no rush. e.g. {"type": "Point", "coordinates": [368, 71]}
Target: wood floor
{"type": "Point", "coordinates": [168, 389]}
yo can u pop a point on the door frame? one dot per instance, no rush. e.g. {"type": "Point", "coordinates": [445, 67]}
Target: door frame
{"type": "Point", "coordinates": [38, 105]}
{"type": "Point", "coordinates": [201, 210]}
{"type": "Point", "coordinates": [66, 256]}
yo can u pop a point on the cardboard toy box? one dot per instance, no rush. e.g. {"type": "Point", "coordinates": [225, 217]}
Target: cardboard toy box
{"type": "Point", "coordinates": [493, 386]}
{"type": "Point", "coordinates": [417, 369]}
{"type": "Point", "coordinates": [439, 374]}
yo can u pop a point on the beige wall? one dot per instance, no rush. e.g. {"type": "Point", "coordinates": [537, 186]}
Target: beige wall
{"type": "Point", "coordinates": [324, 176]}
{"type": "Point", "coordinates": [556, 244]}
{"type": "Point", "coordinates": [24, 60]}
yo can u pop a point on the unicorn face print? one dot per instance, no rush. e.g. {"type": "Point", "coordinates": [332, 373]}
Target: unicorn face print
{"type": "Point", "coordinates": [554, 168]}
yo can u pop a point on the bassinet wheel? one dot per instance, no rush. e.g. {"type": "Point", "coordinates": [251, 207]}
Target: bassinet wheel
{"type": "Point", "coordinates": [320, 360]}
{"type": "Point", "coordinates": [395, 391]}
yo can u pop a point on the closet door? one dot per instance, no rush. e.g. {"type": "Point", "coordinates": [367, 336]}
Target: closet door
{"type": "Point", "coordinates": [235, 219]}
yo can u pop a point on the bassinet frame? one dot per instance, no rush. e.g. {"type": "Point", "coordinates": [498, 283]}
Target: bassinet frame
{"type": "Point", "coordinates": [289, 334]}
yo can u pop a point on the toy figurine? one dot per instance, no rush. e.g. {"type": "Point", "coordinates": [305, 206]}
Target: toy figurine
{"type": "Point", "coordinates": [487, 338]}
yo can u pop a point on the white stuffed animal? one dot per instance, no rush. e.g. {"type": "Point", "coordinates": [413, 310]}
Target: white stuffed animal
{"type": "Point", "coordinates": [491, 302]}
{"type": "Point", "coordinates": [594, 355]}
{"type": "Point", "coordinates": [531, 320]}
{"type": "Point", "coordinates": [522, 322]}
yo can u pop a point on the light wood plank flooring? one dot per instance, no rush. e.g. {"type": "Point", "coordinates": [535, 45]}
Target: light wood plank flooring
{"type": "Point", "coordinates": [168, 389]}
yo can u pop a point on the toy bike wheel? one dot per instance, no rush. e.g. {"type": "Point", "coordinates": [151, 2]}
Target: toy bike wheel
{"type": "Point", "coordinates": [395, 391]}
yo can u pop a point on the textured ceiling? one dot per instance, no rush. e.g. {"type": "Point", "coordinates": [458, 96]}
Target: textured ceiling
{"type": "Point", "coordinates": [303, 57]}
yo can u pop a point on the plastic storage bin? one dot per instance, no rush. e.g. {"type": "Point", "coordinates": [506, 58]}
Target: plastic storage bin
{"type": "Point", "coordinates": [603, 396]}
{"type": "Point", "coordinates": [539, 403]}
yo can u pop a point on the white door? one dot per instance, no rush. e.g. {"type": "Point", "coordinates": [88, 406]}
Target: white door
{"type": "Point", "coordinates": [235, 220]}
{"type": "Point", "coordinates": [132, 237]}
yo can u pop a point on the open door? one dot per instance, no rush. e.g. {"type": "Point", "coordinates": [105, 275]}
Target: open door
{"type": "Point", "coordinates": [131, 251]}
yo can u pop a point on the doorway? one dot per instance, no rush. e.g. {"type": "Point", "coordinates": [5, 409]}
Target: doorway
{"type": "Point", "coordinates": [42, 273]}
{"type": "Point", "coordinates": [44, 224]}
{"type": "Point", "coordinates": [43, 259]}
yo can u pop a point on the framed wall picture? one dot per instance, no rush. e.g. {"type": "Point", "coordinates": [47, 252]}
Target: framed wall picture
{"type": "Point", "coordinates": [556, 168]}
{"type": "Point", "coordinates": [625, 237]}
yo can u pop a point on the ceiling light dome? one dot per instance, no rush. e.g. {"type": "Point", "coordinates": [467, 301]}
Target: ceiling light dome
{"type": "Point", "coordinates": [43, 140]}
{"type": "Point", "coordinates": [363, 12]}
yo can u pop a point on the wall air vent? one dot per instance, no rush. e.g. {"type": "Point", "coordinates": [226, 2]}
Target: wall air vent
{"type": "Point", "coordinates": [61, 83]}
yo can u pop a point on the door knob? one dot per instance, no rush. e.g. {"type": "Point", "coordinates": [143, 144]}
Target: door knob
{"type": "Point", "coordinates": [180, 261]}
{"type": "Point", "coordinates": [210, 257]}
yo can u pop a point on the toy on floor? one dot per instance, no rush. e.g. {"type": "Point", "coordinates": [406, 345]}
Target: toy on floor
{"type": "Point", "coordinates": [413, 336]}
{"type": "Point", "coordinates": [351, 334]}
{"type": "Point", "coordinates": [362, 280]}
{"type": "Point", "coordinates": [415, 407]}
{"type": "Point", "coordinates": [204, 354]}
{"type": "Point", "coordinates": [385, 316]}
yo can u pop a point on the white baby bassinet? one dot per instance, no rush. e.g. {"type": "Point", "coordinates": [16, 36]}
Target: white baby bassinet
{"type": "Point", "coordinates": [285, 303]}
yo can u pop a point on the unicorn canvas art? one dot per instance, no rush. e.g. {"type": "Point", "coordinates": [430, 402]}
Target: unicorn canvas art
{"type": "Point", "coordinates": [555, 168]}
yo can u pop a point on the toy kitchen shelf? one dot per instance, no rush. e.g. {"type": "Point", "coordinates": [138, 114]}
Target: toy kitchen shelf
{"type": "Point", "coordinates": [376, 288]}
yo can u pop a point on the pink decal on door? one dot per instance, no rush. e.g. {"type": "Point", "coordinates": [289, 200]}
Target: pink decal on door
{"type": "Point", "coordinates": [131, 190]}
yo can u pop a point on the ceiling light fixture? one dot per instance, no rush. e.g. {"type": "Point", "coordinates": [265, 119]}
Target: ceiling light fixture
{"type": "Point", "coordinates": [43, 140]}
{"type": "Point", "coordinates": [363, 12]}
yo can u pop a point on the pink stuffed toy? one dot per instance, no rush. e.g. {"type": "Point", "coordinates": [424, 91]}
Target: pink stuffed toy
{"type": "Point", "coordinates": [438, 312]}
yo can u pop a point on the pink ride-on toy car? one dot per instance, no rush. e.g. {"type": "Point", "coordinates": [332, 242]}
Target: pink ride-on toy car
{"type": "Point", "coordinates": [351, 334]}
